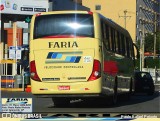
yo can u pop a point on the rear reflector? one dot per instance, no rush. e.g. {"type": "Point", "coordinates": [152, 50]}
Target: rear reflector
{"type": "Point", "coordinates": [86, 88]}
{"type": "Point", "coordinates": [43, 89]}
{"type": "Point", "coordinates": [96, 72]}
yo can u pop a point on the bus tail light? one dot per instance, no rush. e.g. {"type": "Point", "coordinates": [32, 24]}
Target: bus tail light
{"type": "Point", "coordinates": [96, 72]}
{"type": "Point", "coordinates": [90, 12]}
{"type": "Point", "coordinates": [38, 14]}
{"type": "Point", "coordinates": [33, 71]}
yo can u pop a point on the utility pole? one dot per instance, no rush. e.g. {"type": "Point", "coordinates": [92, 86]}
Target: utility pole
{"type": "Point", "coordinates": [125, 18]}
{"type": "Point", "coordinates": [142, 46]}
{"type": "Point", "coordinates": [15, 45]}
{"type": "Point", "coordinates": [143, 42]}
{"type": "Point", "coordinates": [155, 30]}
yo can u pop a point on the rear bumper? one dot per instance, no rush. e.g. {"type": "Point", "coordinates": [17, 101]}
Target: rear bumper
{"type": "Point", "coordinates": [77, 88]}
{"type": "Point", "coordinates": [67, 95]}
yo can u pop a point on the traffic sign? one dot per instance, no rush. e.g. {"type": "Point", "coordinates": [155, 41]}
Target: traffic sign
{"type": "Point", "coordinates": [28, 19]}
{"type": "Point", "coordinates": [15, 52]}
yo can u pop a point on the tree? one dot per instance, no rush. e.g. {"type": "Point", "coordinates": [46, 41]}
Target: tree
{"type": "Point", "coordinates": [149, 43]}
{"type": "Point", "coordinates": [158, 42]}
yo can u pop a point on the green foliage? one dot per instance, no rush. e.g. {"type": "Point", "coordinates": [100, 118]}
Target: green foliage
{"type": "Point", "coordinates": [158, 42]}
{"type": "Point", "coordinates": [149, 63]}
{"type": "Point", "coordinates": [149, 47]}
{"type": "Point", "coordinates": [137, 64]}
{"type": "Point", "coordinates": [152, 63]}
{"type": "Point", "coordinates": [149, 43]}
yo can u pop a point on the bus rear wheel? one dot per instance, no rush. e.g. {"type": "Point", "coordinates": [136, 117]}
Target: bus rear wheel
{"type": "Point", "coordinates": [130, 90]}
{"type": "Point", "coordinates": [115, 94]}
{"type": "Point", "coordinates": [61, 102]}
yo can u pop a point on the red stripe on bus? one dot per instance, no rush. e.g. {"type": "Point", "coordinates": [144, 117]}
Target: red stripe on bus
{"type": "Point", "coordinates": [111, 67]}
{"type": "Point", "coordinates": [64, 36]}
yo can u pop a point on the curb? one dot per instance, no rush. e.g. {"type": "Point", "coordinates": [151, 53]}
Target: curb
{"type": "Point", "coordinates": [12, 89]}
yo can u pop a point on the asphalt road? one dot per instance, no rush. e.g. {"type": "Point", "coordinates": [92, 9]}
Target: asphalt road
{"type": "Point", "coordinates": [139, 103]}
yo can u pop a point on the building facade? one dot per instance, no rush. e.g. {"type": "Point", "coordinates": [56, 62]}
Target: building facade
{"type": "Point", "coordinates": [130, 14]}
{"type": "Point", "coordinates": [67, 5]}
{"type": "Point", "coordinates": [147, 12]}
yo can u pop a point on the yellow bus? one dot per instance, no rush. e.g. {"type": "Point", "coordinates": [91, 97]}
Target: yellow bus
{"type": "Point", "coordinates": [76, 54]}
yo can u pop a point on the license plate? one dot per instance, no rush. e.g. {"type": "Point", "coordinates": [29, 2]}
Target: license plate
{"type": "Point", "coordinates": [63, 87]}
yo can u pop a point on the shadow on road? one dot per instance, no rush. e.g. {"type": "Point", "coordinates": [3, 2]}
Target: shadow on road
{"type": "Point", "coordinates": [107, 103]}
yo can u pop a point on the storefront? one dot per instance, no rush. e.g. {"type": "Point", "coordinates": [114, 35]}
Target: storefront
{"type": "Point", "coordinates": [15, 19]}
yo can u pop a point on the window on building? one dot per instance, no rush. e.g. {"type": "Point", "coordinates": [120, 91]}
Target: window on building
{"type": "Point", "coordinates": [98, 7]}
{"type": "Point", "coordinates": [137, 38]}
{"type": "Point", "coordinates": [137, 25]}
{"type": "Point", "coordinates": [136, 13]}
{"type": "Point", "coordinates": [140, 33]}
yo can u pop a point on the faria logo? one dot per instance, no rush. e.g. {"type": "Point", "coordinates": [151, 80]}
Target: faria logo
{"type": "Point", "coordinates": [63, 44]}
{"type": "Point", "coordinates": [17, 101]}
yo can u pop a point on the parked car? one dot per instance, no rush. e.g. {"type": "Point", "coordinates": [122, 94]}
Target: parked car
{"type": "Point", "coordinates": [144, 83]}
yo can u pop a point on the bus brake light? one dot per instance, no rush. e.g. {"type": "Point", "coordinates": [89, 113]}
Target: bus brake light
{"type": "Point", "coordinates": [96, 72]}
{"type": "Point", "coordinates": [33, 71]}
{"type": "Point", "coordinates": [90, 12]}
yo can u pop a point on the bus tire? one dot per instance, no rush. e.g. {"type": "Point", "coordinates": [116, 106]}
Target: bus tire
{"type": "Point", "coordinates": [151, 90]}
{"type": "Point", "coordinates": [115, 93]}
{"type": "Point", "coordinates": [60, 102]}
{"type": "Point", "coordinates": [130, 89]}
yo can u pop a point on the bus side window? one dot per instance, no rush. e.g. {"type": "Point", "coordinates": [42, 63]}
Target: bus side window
{"type": "Point", "coordinates": [107, 36]}
{"type": "Point", "coordinates": [113, 40]}
{"type": "Point", "coordinates": [127, 47]}
{"type": "Point", "coordinates": [105, 33]}
{"type": "Point", "coordinates": [116, 42]}
{"type": "Point", "coordinates": [119, 43]}
{"type": "Point", "coordinates": [123, 44]}
{"type": "Point", "coordinates": [102, 30]}
{"type": "Point", "coordinates": [130, 48]}
{"type": "Point", "coordinates": [110, 39]}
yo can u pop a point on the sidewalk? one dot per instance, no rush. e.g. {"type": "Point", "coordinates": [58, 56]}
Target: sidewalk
{"type": "Point", "coordinates": [26, 89]}
{"type": "Point", "coordinates": [157, 83]}
{"type": "Point", "coordinates": [12, 89]}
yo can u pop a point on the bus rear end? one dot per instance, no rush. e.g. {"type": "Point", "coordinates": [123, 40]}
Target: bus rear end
{"type": "Point", "coordinates": [65, 58]}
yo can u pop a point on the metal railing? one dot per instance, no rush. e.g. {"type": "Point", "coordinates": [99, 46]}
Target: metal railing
{"type": "Point", "coordinates": [155, 73]}
{"type": "Point", "coordinates": [8, 80]}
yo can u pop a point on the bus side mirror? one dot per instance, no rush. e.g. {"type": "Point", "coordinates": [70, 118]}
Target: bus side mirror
{"type": "Point", "coordinates": [137, 51]}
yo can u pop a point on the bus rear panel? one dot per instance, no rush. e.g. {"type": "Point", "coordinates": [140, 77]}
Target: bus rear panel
{"type": "Point", "coordinates": [64, 55]}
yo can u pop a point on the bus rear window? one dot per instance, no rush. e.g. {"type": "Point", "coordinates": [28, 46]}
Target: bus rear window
{"type": "Point", "coordinates": [64, 25]}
